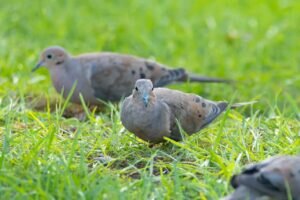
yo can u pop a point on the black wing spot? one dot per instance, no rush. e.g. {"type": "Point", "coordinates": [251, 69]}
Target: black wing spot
{"type": "Point", "coordinates": [197, 100]}
{"type": "Point", "coordinates": [142, 75]}
{"type": "Point", "coordinates": [203, 105]}
{"type": "Point", "coordinates": [149, 66]}
{"type": "Point", "coordinates": [181, 105]}
{"type": "Point", "coordinates": [133, 72]}
{"type": "Point", "coordinates": [199, 116]}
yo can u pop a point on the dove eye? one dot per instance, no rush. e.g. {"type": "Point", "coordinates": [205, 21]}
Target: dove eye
{"type": "Point", "coordinates": [49, 56]}
{"type": "Point", "coordinates": [152, 88]}
{"type": "Point", "coordinates": [136, 89]}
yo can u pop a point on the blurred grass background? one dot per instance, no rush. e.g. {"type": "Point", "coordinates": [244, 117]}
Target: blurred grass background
{"type": "Point", "coordinates": [45, 156]}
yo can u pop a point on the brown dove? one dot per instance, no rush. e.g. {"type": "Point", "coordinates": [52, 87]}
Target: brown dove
{"type": "Point", "coordinates": [152, 113]}
{"type": "Point", "coordinates": [277, 178]}
{"type": "Point", "coordinates": [106, 76]}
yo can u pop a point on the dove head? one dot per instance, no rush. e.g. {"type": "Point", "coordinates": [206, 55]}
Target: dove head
{"type": "Point", "coordinates": [143, 91]}
{"type": "Point", "coordinates": [52, 57]}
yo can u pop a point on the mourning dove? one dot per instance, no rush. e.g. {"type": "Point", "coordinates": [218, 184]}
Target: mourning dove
{"type": "Point", "coordinates": [106, 76]}
{"type": "Point", "coordinates": [277, 178]}
{"type": "Point", "coordinates": [152, 113]}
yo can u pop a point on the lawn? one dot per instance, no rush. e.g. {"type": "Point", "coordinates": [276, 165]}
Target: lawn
{"type": "Point", "coordinates": [45, 155]}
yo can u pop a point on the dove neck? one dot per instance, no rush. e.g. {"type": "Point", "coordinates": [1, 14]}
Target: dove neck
{"type": "Point", "coordinates": [151, 102]}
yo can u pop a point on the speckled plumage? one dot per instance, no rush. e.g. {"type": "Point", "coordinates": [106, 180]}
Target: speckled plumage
{"type": "Point", "coordinates": [153, 114]}
{"type": "Point", "coordinates": [106, 76]}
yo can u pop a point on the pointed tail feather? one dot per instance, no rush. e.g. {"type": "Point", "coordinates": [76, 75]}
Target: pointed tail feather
{"type": "Point", "coordinates": [182, 76]}
{"type": "Point", "coordinates": [237, 105]}
{"type": "Point", "coordinates": [204, 79]}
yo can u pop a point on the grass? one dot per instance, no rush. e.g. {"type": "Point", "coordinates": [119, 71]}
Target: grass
{"type": "Point", "coordinates": [47, 156]}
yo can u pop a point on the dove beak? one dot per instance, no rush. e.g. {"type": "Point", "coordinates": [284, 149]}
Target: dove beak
{"type": "Point", "coordinates": [146, 99]}
{"type": "Point", "coordinates": [37, 66]}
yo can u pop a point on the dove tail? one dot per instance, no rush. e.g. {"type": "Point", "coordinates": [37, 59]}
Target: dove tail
{"type": "Point", "coordinates": [204, 79]}
{"type": "Point", "coordinates": [222, 106]}
{"type": "Point", "coordinates": [171, 76]}
{"type": "Point", "coordinates": [182, 76]}
{"type": "Point", "coordinates": [237, 105]}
